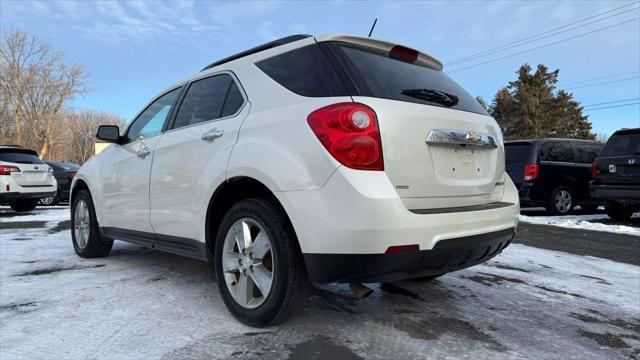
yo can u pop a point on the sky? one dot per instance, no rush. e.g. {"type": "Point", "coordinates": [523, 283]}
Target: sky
{"type": "Point", "coordinates": [134, 49]}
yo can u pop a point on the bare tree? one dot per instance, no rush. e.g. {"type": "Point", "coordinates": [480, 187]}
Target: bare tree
{"type": "Point", "coordinates": [35, 84]}
{"type": "Point", "coordinates": [82, 127]}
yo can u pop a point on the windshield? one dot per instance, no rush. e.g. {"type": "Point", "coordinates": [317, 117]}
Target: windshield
{"type": "Point", "coordinates": [377, 75]}
{"type": "Point", "coordinates": [623, 144]}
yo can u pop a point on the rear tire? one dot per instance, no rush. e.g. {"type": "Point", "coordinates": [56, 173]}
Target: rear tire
{"type": "Point", "coordinates": [619, 212]}
{"type": "Point", "coordinates": [561, 201]}
{"type": "Point", "coordinates": [289, 285]}
{"type": "Point", "coordinates": [23, 205]}
{"type": "Point", "coordinates": [85, 233]}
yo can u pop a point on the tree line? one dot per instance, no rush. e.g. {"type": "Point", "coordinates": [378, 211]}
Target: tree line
{"type": "Point", "coordinates": [36, 87]}
{"type": "Point", "coordinates": [531, 107]}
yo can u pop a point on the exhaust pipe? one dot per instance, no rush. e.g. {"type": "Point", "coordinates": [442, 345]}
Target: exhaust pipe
{"type": "Point", "coordinates": [359, 290]}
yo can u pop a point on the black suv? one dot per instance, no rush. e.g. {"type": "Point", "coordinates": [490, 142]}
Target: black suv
{"type": "Point", "coordinates": [553, 173]}
{"type": "Point", "coordinates": [616, 174]}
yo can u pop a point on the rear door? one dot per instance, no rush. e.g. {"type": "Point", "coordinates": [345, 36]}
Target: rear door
{"type": "Point", "coordinates": [585, 154]}
{"type": "Point", "coordinates": [619, 162]}
{"type": "Point", "coordinates": [192, 156]}
{"type": "Point", "coordinates": [440, 147]}
{"type": "Point", "coordinates": [33, 171]}
{"type": "Point", "coordinates": [557, 161]}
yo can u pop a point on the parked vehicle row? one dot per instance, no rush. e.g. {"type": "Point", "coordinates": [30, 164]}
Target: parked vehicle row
{"type": "Point", "coordinates": [308, 159]}
{"type": "Point", "coordinates": [64, 173]}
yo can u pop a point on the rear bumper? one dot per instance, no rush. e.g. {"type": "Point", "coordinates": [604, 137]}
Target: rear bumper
{"type": "Point", "coordinates": [359, 213]}
{"type": "Point", "coordinates": [627, 193]}
{"type": "Point", "coordinates": [446, 256]}
{"type": "Point", "coordinates": [13, 196]}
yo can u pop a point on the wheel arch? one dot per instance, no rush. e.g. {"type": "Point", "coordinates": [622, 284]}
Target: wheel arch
{"type": "Point", "coordinates": [228, 193]}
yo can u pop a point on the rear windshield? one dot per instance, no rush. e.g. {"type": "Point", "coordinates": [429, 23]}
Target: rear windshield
{"type": "Point", "coordinates": [19, 157]}
{"type": "Point", "coordinates": [622, 144]}
{"type": "Point", "coordinates": [377, 75]}
{"type": "Point", "coordinates": [516, 153]}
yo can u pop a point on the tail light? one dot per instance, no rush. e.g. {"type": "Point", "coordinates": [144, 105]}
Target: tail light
{"type": "Point", "coordinates": [349, 131]}
{"type": "Point", "coordinates": [402, 248]}
{"type": "Point", "coordinates": [594, 170]}
{"type": "Point", "coordinates": [531, 172]}
{"type": "Point", "coordinates": [72, 174]}
{"type": "Point", "coordinates": [8, 169]}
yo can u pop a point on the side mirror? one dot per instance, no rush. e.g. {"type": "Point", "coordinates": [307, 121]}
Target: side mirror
{"type": "Point", "coordinates": [108, 133]}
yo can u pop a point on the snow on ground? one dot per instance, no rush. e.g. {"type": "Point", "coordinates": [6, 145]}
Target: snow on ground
{"type": "Point", "coordinates": [142, 304]}
{"type": "Point", "coordinates": [584, 222]}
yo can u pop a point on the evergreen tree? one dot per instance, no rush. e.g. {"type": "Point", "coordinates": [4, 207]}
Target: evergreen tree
{"type": "Point", "coordinates": [530, 108]}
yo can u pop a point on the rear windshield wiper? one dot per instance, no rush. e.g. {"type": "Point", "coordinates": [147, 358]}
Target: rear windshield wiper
{"type": "Point", "coordinates": [435, 96]}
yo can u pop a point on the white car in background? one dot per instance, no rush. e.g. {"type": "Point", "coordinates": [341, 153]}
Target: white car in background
{"type": "Point", "coordinates": [308, 159]}
{"type": "Point", "coordinates": [24, 178]}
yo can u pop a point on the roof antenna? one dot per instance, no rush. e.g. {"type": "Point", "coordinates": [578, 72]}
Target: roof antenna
{"type": "Point", "coordinates": [373, 26]}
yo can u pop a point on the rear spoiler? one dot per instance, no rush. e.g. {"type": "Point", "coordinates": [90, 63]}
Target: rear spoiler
{"type": "Point", "coordinates": [423, 59]}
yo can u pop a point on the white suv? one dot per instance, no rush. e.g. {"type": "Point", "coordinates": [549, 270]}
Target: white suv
{"type": "Point", "coordinates": [24, 178]}
{"type": "Point", "coordinates": [308, 159]}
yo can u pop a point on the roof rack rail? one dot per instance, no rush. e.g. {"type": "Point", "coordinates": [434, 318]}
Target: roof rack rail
{"type": "Point", "coordinates": [269, 45]}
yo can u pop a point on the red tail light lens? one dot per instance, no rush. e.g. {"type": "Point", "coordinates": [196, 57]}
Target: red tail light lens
{"type": "Point", "coordinates": [8, 169]}
{"type": "Point", "coordinates": [402, 248]}
{"type": "Point", "coordinates": [594, 170]}
{"type": "Point", "coordinates": [531, 172]}
{"type": "Point", "coordinates": [72, 174]}
{"type": "Point", "coordinates": [349, 131]}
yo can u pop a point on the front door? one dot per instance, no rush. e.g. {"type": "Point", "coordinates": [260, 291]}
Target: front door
{"type": "Point", "coordinates": [126, 184]}
{"type": "Point", "coordinates": [192, 156]}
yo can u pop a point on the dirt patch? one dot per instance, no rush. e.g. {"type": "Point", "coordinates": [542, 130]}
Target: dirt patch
{"type": "Point", "coordinates": [507, 267]}
{"type": "Point", "coordinates": [55, 269]}
{"type": "Point", "coordinates": [22, 239]}
{"type": "Point", "coordinates": [602, 319]}
{"type": "Point", "coordinates": [607, 339]}
{"type": "Point", "coordinates": [321, 347]}
{"type": "Point", "coordinates": [558, 291]}
{"type": "Point", "coordinates": [490, 279]}
{"type": "Point", "coordinates": [22, 225]}
{"type": "Point", "coordinates": [597, 279]}
{"type": "Point", "coordinates": [62, 226]}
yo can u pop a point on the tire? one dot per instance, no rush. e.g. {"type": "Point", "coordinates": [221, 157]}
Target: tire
{"type": "Point", "coordinates": [50, 201]}
{"type": "Point", "coordinates": [289, 286]}
{"type": "Point", "coordinates": [425, 278]}
{"type": "Point", "coordinates": [87, 244]}
{"type": "Point", "coordinates": [619, 212]}
{"type": "Point", "coordinates": [23, 205]}
{"type": "Point", "coordinates": [561, 201]}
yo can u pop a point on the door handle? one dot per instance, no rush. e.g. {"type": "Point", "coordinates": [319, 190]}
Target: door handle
{"type": "Point", "coordinates": [142, 153]}
{"type": "Point", "coordinates": [212, 134]}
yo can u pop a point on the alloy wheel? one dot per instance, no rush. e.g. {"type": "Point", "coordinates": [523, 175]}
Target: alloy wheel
{"type": "Point", "coordinates": [563, 201]}
{"type": "Point", "coordinates": [248, 263]}
{"type": "Point", "coordinates": [81, 224]}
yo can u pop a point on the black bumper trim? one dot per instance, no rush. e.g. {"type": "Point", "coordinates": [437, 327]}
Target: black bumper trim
{"type": "Point", "coordinates": [615, 192]}
{"type": "Point", "coordinates": [490, 206]}
{"type": "Point", "coordinates": [447, 256]}
{"type": "Point", "coordinates": [21, 196]}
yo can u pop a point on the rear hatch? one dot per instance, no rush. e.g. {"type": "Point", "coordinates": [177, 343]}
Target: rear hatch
{"type": "Point", "coordinates": [619, 162]}
{"type": "Point", "coordinates": [33, 172]}
{"type": "Point", "coordinates": [440, 147]}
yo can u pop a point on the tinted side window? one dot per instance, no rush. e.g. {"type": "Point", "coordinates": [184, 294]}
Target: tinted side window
{"type": "Point", "coordinates": [150, 122]}
{"type": "Point", "coordinates": [234, 100]}
{"type": "Point", "coordinates": [622, 144]}
{"type": "Point", "coordinates": [517, 154]}
{"type": "Point", "coordinates": [205, 100]}
{"type": "Point", "coordinates": [305, 71]}
{"type": "Point", "coordinates": [19, 157]}
{"type": "Point", "coordinates": [557, 151]}
{"type": "Point", "coordinates": [587, 153]}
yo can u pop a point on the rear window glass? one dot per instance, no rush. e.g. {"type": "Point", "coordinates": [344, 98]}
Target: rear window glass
{"type": "Point", "coordinates": [305, 71]}
{"type": "Point", "coordinates": [377, 75]}
{"type": "Point", "coordinates": [516, 154]}
{"type": "Point", "coordinates": [587, 153]}
{"type": "Point", "coordinates": [622, 144]}
{"type": "Point", "coordinates": [18, 157]}
{"type": "Point", "coordinates": [557, 151]}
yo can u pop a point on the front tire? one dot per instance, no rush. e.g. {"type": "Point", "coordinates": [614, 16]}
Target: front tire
{"type": "Point", "coordinates": [619, 212]}
{"type": "Point", "coordinates": [561, 201]}
{"type": "Point", "coordinates": [85, 233]}
{"type": "Point", "coordinates": [23, 205]}
{"type": "Point", "coordinates": [259, 266]}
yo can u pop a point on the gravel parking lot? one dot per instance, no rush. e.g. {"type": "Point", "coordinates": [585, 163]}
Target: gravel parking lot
{"type": "Point", "coordinates": [557, 292]}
